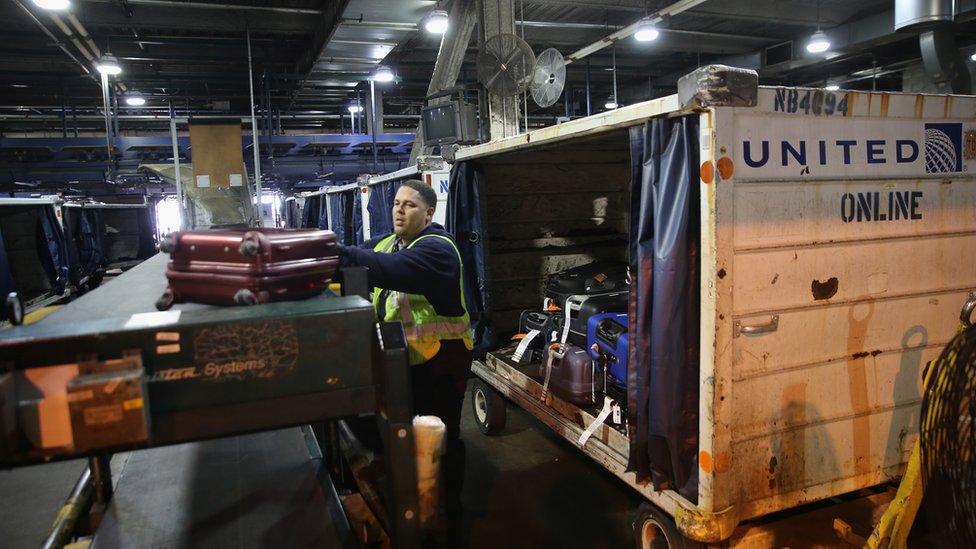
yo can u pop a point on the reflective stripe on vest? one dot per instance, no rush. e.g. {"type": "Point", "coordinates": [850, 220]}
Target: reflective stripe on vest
{"type": "Point", "coordinates": [422, 325]}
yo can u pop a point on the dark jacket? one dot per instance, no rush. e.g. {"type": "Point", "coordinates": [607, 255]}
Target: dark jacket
{"type": "Point", "coordinates": [430, 268]}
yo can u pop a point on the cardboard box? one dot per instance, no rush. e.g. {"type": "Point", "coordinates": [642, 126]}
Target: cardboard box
{"type": "Point", "coordinates": [108, 408]}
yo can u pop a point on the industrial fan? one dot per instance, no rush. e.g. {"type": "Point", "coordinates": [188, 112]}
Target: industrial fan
{"type": "Point", "coordinates": [948, 435]}
{"type": "Point", "coordinates": [505, 65]}
{"type": "Point", "coordinates": [548, 78]}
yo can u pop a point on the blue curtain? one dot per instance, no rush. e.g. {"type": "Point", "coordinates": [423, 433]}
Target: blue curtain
{"type": "Point", "coordinates": [357, 216]}
{"type": "Point", "coordinates": [53, 249]}
{"type": "Point", "coordinates": [379, 206]}
{"type": "Point", "coordinates": [311, 211]}
{"type": "Point", "coordinates": [337, 211]}
{"type": "Point", "coordinates": [147, 233]}
{"type": "Point", "coordinates": [664, 323]}
{"type": "Point", "coordinates": [90, 250]}
{"type": "Point", "coordinates": [466, 221]}
{"type": "Point", "coordinates": [323, 215]}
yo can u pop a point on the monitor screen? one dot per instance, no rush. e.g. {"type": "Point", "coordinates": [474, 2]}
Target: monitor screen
{"type": "Point", "coordinates": [440, 123]}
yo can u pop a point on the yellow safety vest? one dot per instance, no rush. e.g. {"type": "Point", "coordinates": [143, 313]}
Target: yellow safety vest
{"type": "Point", "coordinates": [424, 328]}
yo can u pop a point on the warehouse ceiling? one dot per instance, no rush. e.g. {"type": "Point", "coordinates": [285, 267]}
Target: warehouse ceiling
{"type": "Point", "coordinates": [311, 57]}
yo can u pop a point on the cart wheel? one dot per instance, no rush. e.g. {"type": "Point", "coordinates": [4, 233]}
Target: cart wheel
{"type": "Point", "coordinates": [165, 301]}
{"type": "Point", "coordinates": [245, 297]}
{"type": "Point", "coordinates": [489, 408]}
{"type": "Point", "coordinates": [249, 247]}
{"type": "Point", "coordinates": [15, 309]}
{"type": "Point", "coordinates": [654, 529]}
{"type": "Point", "coordinates": [167, 244]}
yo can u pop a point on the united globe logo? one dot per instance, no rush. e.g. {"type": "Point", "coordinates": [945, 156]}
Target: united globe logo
{"type": "Point", "coordinates": [943, 148]}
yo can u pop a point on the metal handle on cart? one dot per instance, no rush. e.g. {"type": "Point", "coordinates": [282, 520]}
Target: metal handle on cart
{"type": "Point", "coordinates": [967, 310]}
{"type": "Point", "coordinates": [771, 326]}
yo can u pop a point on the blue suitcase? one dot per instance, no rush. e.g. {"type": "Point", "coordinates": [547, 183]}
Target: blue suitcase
{"type": "Point", "coordinates": [606, 339]}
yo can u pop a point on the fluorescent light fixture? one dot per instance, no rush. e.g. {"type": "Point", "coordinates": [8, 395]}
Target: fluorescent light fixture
{"type": "Point", "coordinates": [832, 87]}
{"type": "Point", "coordinates": [611, 103]}
{"type": "Point", "coordinates": [108, 65]}
{"type": "Point", "coordinates": [383, 74]}
{"type": "Point", "coordinates": [355, 108]}
{"type": "Point", "coordinates": [818, 42]}
{"type": "Point", "coordinates": [436, 22]}
{"type": "Point", "coordinates": [646, 32]}
{"type": "Point", "coordinates": [53, 5]}
{"type": "Point", "coordinates": [135, 100]}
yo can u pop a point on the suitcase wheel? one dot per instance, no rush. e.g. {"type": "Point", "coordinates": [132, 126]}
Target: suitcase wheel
{"type": "Point", "coordinates": [165, 301]}
{"type": "Point", "coordinates": [245, 297]}
{"type": "Point", "coordinates": [167, 244]}
{"type": "Point", "coordinates": [249, 247]}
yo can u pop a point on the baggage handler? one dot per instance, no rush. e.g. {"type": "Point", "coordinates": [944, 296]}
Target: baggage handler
{"type": "Point", "coordinates": [416, 277]}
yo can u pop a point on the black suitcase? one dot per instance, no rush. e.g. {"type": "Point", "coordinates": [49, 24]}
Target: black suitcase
{"type": "Point", "coordinates": [599, 277]}
{"type": "Point", "coordinates": [579, 315]}
{"type": "Point", "coordinates": [543, 322]}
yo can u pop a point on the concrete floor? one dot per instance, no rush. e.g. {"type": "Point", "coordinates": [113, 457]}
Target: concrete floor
{"type": "Point", "coordinates": [529, 488]}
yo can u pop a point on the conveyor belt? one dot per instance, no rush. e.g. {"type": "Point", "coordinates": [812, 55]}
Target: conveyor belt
{"type": "Point", "coordinates": [254, 490]}
{"type": "Point", "coordinates": [134, 291]}
{"type": "Point", "coordinates": [259, 490]}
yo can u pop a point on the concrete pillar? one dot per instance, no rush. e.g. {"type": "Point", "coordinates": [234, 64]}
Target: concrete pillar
{"type": "Point", "coordinates": [498, 17]}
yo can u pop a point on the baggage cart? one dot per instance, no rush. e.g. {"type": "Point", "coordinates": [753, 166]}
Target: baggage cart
{"type": "Point", "coordinates": [837, 235]}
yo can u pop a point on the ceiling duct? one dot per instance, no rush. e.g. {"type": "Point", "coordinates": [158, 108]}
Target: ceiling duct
{"type": "Point", "coordinates": [918, 15]}
{"type": "Point", "coordinates": [943, 63]}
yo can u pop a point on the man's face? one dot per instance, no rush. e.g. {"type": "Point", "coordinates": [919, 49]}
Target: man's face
{"type": "Point", "coordinates": [410, 214]}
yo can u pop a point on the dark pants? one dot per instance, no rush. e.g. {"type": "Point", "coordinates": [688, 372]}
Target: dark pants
{"type": "Point", "coordinates": [438, 390]}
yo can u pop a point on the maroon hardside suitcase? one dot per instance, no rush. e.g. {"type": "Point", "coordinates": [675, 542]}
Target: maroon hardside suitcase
{"type": "Point", "coordinates": [248, 266]}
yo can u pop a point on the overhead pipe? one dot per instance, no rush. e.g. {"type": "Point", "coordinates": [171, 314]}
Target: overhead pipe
{"type": "Point", "coordinates": [84, 34]}
{"type": "Point", "coordinates": [208, 6]}
{"type": "Point", "coordinates": [655, 18]}
{"type": "Point", "coordinates": [59, 43]}
{"type": "Point", "coordinates": [74, 38]}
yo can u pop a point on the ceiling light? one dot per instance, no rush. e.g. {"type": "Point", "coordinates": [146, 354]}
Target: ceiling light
{"type": "Point", "coordinates": [355, 108]}
{"type": "Point", "coordinates": [972, 57]}
{"type": "Point", "coordinates": [108, 65]}
{"type": "Point", "coordinates": [383, 74]}
{"type": "Point", "coordinates": [135, 100]}
{"type": "Point", "coordinates": [832, 87]}
{"type": "Point", "coordinates": [818, 42]}
{"type": "Point", "coordinates": [436, 22]}
{"type": "Point", "coordinates": [54, 5]}
{"type": "Point", "coordinates": [611, 103]}
{"type": "Point", "coordinates": [646, 32]}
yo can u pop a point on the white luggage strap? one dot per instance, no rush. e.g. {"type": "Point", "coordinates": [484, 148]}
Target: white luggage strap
{"type": "Point", "coordinates": [573, 303]}
{"type": "Point", "coordinates": [556, 352]}
{"type": "Point", "coordinates": [524, 344]}
{"type": "Point", "coordinates": [609, 406]}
